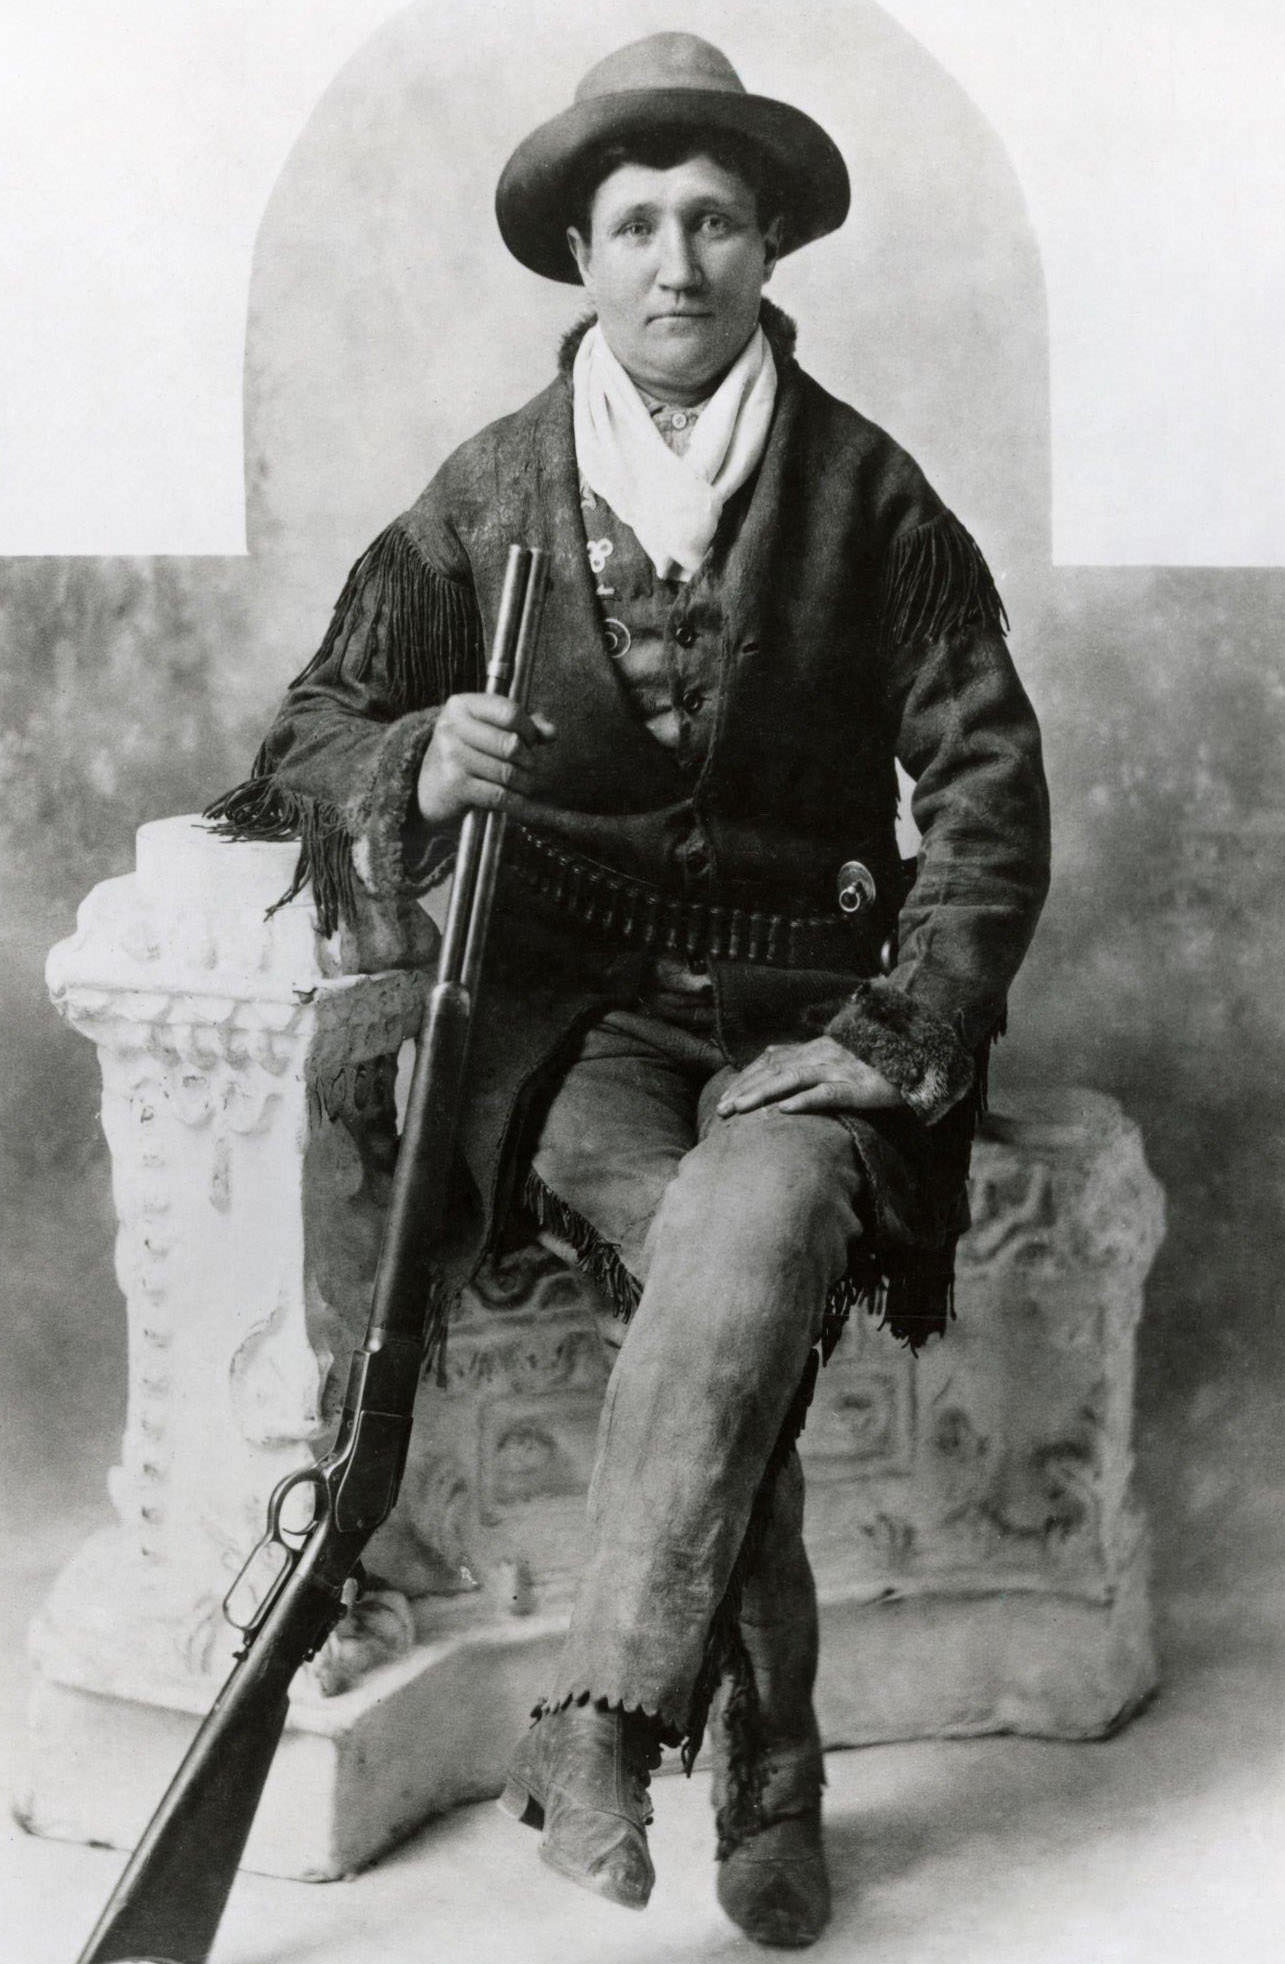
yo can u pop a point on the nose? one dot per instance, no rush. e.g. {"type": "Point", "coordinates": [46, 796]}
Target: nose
{"type": "Point", "coordinates": [679, 269]}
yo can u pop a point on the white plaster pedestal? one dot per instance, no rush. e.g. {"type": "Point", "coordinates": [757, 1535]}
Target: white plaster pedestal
{"type": "Point", "coordinates": [980, 1559]}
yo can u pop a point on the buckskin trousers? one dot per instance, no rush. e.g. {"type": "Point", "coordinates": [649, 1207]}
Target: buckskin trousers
{"type": "Point", "coordinates": [736, 1229]}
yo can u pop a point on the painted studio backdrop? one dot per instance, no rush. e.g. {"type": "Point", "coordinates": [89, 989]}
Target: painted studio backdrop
{"type": "Point", "coordinates": [385, 324]}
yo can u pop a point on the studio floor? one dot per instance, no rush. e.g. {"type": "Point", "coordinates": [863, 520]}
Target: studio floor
{"type": "Point", "coordinates": [1164, 1845]}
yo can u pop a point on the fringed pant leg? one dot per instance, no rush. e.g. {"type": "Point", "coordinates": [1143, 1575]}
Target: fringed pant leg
{"type": "Point", "coordinates": [749, 1236]}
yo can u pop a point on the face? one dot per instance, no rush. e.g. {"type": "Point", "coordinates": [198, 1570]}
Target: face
{"type": "Point", "coordinates": [675, 264]}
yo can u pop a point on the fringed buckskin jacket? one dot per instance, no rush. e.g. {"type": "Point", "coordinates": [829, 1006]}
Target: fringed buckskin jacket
{"type": "Point", "coordinates": [856, 623]}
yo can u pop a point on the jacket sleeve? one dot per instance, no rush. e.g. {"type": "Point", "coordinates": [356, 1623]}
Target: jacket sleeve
{"type": "Point", "coordinates": [339, 765]}
{"type": "Point", "coordinates": [965, 732]}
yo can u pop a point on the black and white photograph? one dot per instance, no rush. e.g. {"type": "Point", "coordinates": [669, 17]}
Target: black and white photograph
{"type": "Point", "coordinates": [642, 1036]}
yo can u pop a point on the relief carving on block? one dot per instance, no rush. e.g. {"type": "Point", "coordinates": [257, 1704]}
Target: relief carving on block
{"type": "Point", "coordinates": [1013, 1215]}
{"type": "Point", "coordinates": [277, 1376]}
{"type": "Point", "coordinates": [1013, 1481]}
{"type": "Point", "coordinates": [1016, 1462]}
{"type": "Point", "coordinates": [211, 1023]}
{"type": "Point", "coordinates": [527, 1323]}
{"type": "Point", "coordinates": [535, 1448]}
{"type": "Point", "coordinates": [1065, 1191]}
{"type": "Point", "coordinates": [511, 1425]}
{"type": "Point", "coordinates": [862, 1416]}
{"type": "Point", "coordinates": [425, 1547]}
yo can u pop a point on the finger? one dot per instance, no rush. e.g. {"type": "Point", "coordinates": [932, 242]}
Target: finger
{"type": "Point", "coordinates": [764, 1070]}
{"type": "Point", "coordinates": [477, 795]}
{"type": "Point", "coordinates": [490, 739]}
{"type": "Point", "coordinates": [488, 797]}
{"type": "Point", "coordinates": [511, 774]}
{"type": "Point", "coordinates": [765, 1089]}
{"type": "Point", "coordinates": [744, 1101]}
{"type": "Point", "coordinates": [788, 1071]}
{"type": "Point", "coordinates": [496, 755]}
{"type": "Point", "coordinates": [822, 1098]}
{"type": "Point", "coordinates": [504, 714]}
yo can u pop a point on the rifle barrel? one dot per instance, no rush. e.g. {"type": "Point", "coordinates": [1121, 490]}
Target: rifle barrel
{"type": "Point", "coordinates": [166, 1907]}
{"type": "Point", "coordinates": [499, 674]}
{"type": "Point", "coordinates": [496, 822]}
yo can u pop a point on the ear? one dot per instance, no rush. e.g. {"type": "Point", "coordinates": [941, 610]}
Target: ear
{"type": "Point", "coordinates": [772, 236]}
{"type": "Point", "coordinates": [581, 253]}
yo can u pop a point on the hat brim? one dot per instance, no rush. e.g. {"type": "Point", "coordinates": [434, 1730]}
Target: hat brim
{"type": "Point", "coordinates": [532, 198]}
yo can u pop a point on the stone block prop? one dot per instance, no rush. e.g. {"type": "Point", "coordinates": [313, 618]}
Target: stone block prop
{"type": "Point", "coordinates": [979, 1553]}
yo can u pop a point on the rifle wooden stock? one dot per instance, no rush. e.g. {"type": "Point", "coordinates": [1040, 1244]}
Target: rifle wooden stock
{"type": "Point", "coordinates": [167, 1905]}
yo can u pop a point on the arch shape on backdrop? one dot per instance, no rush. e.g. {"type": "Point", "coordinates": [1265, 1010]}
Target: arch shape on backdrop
{"type": "Point", "coordinates": [387, 322]}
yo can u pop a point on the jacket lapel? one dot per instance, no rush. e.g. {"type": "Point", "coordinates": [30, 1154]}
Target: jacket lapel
{"type": "Point", "coordinates": [605, 759]}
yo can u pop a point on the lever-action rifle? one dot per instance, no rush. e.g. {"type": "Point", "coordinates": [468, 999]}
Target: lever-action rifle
{"type": "Point", "coordinates": [166, 1907]}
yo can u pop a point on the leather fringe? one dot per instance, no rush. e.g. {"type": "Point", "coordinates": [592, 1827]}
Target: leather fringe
{"type": "Point", "coordinates": [263, 808]}
{"type": "Point", "coordinates": [427, 634]}
{"type": "Point", "coordinates": [982, 1067]}
{"type": "Point", "coordinates": [912, 1295]}
{"type": "Point", "coordinates": [935, 581]}
{"type": "Point", "coordinates": [426, 628]}
{"type": "Point", "coordinates": [912, 1290]}
{"type": "Point", "coordinates": [594, 1255]}
{"type": "Point", "coordinates": [443, 1301]}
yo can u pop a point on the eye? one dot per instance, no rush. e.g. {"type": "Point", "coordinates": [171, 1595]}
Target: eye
{"type": "Point", "coordinates": [716, 223]}
{"type": "Point", "coordinates": [633, 228]}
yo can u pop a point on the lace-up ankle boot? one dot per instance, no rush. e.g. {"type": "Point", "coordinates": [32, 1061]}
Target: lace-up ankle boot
{"type": "Point", "coordinates": [768, 1767]}
{"type": "Point", "coordinates": [582, 1774]}
{"type": "Point", "coordinates": [772, 1878]}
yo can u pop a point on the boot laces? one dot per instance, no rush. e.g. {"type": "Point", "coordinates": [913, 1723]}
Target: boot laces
{"type": "Point", "coordinates": [642, 1757]}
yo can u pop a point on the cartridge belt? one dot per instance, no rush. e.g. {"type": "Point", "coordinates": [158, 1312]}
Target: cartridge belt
{"type": "Point", "coordinates": [639, 915]}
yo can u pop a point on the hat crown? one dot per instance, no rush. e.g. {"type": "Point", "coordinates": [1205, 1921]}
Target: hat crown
{"type": "Point", "coordinates": [662, 61]}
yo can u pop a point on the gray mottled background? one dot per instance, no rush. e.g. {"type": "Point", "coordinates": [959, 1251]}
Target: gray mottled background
{"type": "Point", "coordinates": [385, 325]}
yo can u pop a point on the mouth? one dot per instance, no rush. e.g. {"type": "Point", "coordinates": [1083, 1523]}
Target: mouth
{"type": "Point", "coordinates": [679, 320]}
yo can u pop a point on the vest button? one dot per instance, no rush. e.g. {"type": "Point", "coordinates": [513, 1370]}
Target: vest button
{"type": "Point", "coordinates": [685, 634]}
{"type": "Point", "coordinates": [692, 700]}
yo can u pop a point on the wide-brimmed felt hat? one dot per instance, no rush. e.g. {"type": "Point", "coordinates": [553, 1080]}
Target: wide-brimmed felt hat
{"type": "Point", "coordinates": [667, 81]}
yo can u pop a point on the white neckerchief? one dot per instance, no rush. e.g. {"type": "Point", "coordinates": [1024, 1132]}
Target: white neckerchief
{"type": "Point", "coordinates": [672, 504]}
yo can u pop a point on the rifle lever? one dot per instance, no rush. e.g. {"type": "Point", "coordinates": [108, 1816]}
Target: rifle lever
{"type": "Point", "coordinates": [281, 1546]}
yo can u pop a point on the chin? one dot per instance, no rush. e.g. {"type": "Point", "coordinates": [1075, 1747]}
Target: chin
{"type": "Point", "coordinates": [685, 354]}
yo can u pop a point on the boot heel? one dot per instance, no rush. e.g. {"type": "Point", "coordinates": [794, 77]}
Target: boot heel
{"type": "Point", "coordinates": [520, 1804]}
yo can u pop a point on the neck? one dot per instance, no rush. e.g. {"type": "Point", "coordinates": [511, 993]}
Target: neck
{"type": "Point", "coordinates": [679, 394]}
{"type": "Point", "coordinates": [674, 394]}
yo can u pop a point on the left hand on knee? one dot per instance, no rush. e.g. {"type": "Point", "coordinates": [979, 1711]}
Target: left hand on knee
{"type": "Point", "coordinates": [820, 1076]}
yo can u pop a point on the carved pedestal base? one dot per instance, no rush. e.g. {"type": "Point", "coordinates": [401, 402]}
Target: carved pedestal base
{"type": "Point", "coordinates": [954, 1666]}
{"type": "Point", "coordinates": [980, 1559]}
{"type": "Point", "coordinates": [354, 1774]}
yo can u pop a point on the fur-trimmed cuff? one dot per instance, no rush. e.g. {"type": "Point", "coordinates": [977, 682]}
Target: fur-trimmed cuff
{"type": "Point", "coordinates": [914, 1047]}
{"type": "Point", "coordinates": [388, 844]}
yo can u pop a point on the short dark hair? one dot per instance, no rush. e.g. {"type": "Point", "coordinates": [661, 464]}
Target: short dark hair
{"type": "Point", "coordinates": [664, 148]}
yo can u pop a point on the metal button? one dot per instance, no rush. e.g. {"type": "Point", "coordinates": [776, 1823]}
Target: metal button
{"type": "Point", "coordinates": [857, 888]}
{"type": "Point", "coordinates": [679, 420]}
{"type": "Point", "coordinates": [692, 700]}
{"type": "Point", "coordinates": [685, 634]}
